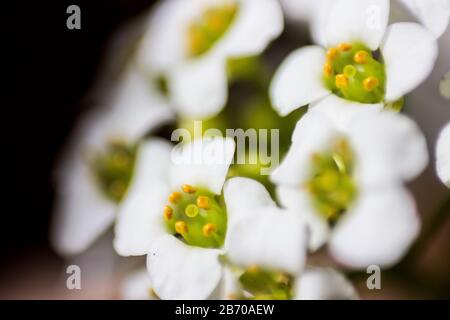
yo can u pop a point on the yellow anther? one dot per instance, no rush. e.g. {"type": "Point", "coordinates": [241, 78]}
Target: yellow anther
{"type": "Point", "coordinates": [344, 47]}
{"type": "Point", "coordinates": [203, 202]}
{"type": "Point", "coordinates": [361, 57]}
{"type": "Point", "coordinates": [349, 70]}
{"type": "Point", "coordinates": [188, 188]}
{"type": "Point", "coordinates": [174, 197]}
{"type": "Point", "coordinates": [332, 53]}
{"type": "Point", "coordinates": [191, 211]}
{"type": "Point", "coordinates": [208, 229]}
{"type": "Point", "coordinates": [168, 213]}
{"type": "Point", "coordinates": [328, 69]}
{"type": "Point", "coordinates": [181, 227]}
{"type": "Point", "coordinates": [121, 159]}
{"type": "Point", "coordinates": [341, 81]}
{"type": "Point", "coordinates": [370, 83]}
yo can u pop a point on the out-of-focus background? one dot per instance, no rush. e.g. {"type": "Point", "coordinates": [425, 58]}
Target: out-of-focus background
{"type": "Point", "coordinates": [50, 72]}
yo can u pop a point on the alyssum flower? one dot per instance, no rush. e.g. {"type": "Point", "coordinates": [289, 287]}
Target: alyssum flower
{"type": "Point", "coordinates": [188, 44]}
{"type": "Point", "coordinates": [98, 165]}
{"type": "Point", "coordinates": [347, 183]}
{"type": "Point", "coordinates": [363, 62]}
{"type": "Point", "coordinates": [266, 251]}
{"type": "Point", "coordinates": [173, 212]}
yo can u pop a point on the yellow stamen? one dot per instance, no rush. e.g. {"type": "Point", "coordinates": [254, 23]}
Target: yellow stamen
{"type": "Point", "coordinates": [168, 213]}
{"type": "Point", "coordinates": [181, 227]}
{"type": "Point", "coordinates": [208, 229]}
{"type": "Point", "coordinates": [203, 202]}
{"type": "Point", "coordinates": [370, 83]}
{"type": "Point", "coordinates": [341, 81]}
{"type": "Point", "coordinates": [327, 69]}
{"type": "Point", "coordinates": [174, 197]}
{"type": "Point", "coordinates": [188, 188]}
{"type": "Point", "coordinates": [117, 188]}
{"type": "Point", "coordinates": [361, 57]}
{"type": "Point", "coordinates": [191, 211]}
{"type": "Point", "coordinates": [332, 53]}
{"type": "Point", "coordinates": [344, 47]}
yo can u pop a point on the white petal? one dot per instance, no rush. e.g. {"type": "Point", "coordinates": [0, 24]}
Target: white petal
{"type": "Point", "coordinates": [298, 202]}
{"type": "Point", "coordinates": [198, 88]}
{"type": "Point", "coordinates": [379, 229]}
{"type": "Point", "coordinates": [341, 111]}
{"type": "Point", "coordinates": [137, 286]}
{"type": "Point", "coordinates": [82, 212]}
{"type": "Point", "coordinates": [443, 155]}
{"type": "Point", "coordinates": [203, 163]}
{"type": "Point", "coordinates": [318, 21]}
{"type": "Point", "coordinates": [434, 14]}
{"type": "Point", "coordinates": [179, 271]}
{"type": "Point", "coordinates": [140, 218]}
{"type": "Point", "coordinates": [409, 52]}
{"type": "Point", "coordinates": [274, 239]}
{"type": "Point", "coordinates": [314, 13]}
{"type": "Point", "coordinates": [313, 133]}
{"type": "Point", "coordinates": [357, 21]}
{"type": "Point", "coordinates": [136, 108]}
{"type": "Point", "coordinates": [257, 23]}
{"type": "Point", "coordinates": [244, 197]}
{"type": "Point", "coordinates": [324, 284]}
{"type": "Point", "coordinates": [298, 81]}
{"type": "Point", "coordinates": [387, 147]}
{"type": "Point", "coordinates": [164, 45]}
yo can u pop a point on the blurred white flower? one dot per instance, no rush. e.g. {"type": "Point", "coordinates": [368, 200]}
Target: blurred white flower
{"type": "Point", "coordinates": [266, 251]}
{"type": "Point", "coordinates": [95, 170]}
{"type": "Point", "coordinates": [174, 214]}
{"type": "Point", "coordinates": [351, 68]}
{"type": "Point", "coordinates": [347, 183]}
{"type": "Point", "coordinates": [189, 42]}
{"type": "Point", "coordinates": [443, 155]}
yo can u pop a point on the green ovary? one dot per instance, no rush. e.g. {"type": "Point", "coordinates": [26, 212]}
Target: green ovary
{"type": "Point", "coordinates": [113, 169]}
{"type": "Point", "coordinates": [203, 33]}
{"type": "Point", "coordinates": [352, 72]}
{"type": "Point", "coordinates": [196, 216]}
{"type": "Point", "coordinates": [263, 284]}
{"type": "Point", "coordinates": [331, 185]}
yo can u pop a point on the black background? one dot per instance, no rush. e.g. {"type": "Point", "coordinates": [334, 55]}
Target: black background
{"type": "Point", "coordinates": [49, 70]}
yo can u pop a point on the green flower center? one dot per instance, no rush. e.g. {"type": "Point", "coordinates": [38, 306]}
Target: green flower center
{"type": "Point", "coordinates": [331, 184]}
{"type": "Point", "coordinates": [113, 169]}
{"type": "Point", "coordinates": [352, 72]}
{"type": "Point", "coordinates": [204, 32]}
{"type": "Point", "coordinates": [197, 216]}
{"type": "Point", "coordinates": [262, 284]}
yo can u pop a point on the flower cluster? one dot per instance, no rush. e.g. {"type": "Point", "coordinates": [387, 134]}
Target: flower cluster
{"type": "Point", "coordinates": [212, 229]}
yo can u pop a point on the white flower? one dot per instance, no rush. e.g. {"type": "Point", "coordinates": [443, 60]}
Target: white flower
{"type": "Point", "coordinates": [85, 207]}
{"type": "Point", "coordinates": [189, 42]}
{"type": "Point", "coordinates": [266, 251]}
{"type": "Point", "coordinates": [352, 31]}
{"type": "Point", "coordinates": [443, 155]}
{"type": "Point", "coordinates": [173, 213]}
{"type": "Point", "coordinates": [347, 183]}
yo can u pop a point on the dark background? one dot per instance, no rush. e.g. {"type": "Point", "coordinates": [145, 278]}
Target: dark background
{"type": "Point", "coordinates": [49, 70]}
